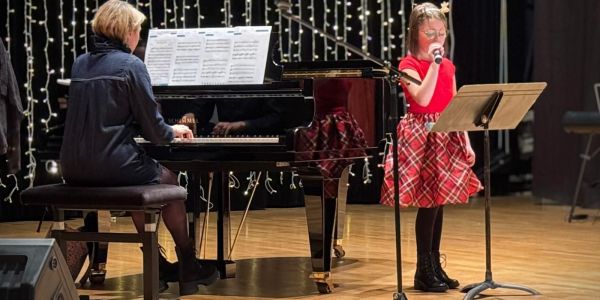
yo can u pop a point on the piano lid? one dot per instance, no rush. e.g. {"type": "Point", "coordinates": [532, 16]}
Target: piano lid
{"type": "Point", "coordinates": [271, 89]}
{"type": "Point", "coordinates": [333, 69]}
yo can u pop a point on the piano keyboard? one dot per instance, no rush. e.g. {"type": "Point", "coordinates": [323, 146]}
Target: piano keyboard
{"type": "Point", "coordinates": [222, 140]}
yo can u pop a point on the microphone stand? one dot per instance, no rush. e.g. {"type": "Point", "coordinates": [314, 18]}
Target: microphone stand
{"type": "Point", "coordinates": [394, 75]}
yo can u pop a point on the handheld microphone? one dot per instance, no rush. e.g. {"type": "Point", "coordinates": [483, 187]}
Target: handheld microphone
{"type": "Point", "coordinates": [437, 56]}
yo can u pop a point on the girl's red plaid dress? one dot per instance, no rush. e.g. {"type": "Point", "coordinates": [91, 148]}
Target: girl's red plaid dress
{"type": "Point", "coordinates": [434, 168]}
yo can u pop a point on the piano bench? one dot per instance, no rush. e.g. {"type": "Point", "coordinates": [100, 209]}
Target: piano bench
{"type": "Point", "coordinates": [146, 198]}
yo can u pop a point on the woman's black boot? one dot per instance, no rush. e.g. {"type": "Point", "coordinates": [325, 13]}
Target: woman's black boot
{"type": "Point", "coordinates": [191, 273]}
{"type": "Point", "coordinates": [167, 271]}
{"type": "Point", "coordinates": [440, 273]}
{"type": "Point", "coordinates": [425, 277]}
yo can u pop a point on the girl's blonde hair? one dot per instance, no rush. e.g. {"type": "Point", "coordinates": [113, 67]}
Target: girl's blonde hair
{"type": "Point", "coordinates": [421, 13]}
{"type": "Point", "coordinates": [115, 19]}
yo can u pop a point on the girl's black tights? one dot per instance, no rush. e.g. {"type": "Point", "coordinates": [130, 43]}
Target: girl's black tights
{"type": "Point", "coordinates": [428, 229]}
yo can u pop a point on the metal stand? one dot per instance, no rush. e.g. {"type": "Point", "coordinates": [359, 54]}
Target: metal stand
{"type": "Point", "coordinates": [399, 295]}
{"type": "Point", "coordinates": [474, 289]}
{"type": "Point", "coordinates": [585, 157]}
{"type": "Point", "coordinates": [489, 107]}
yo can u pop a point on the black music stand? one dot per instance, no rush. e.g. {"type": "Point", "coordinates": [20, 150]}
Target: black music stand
{"type": "Point", "coordinates": [489, 107]}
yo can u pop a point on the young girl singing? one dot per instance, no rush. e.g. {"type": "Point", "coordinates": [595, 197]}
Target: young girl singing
{"type": "Point", "coordinates": [434, 168]}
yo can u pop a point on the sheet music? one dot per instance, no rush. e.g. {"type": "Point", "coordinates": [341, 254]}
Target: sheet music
{"type": "Point", "coordinates": [208, 56]}
{"type": "Point", "coordinates": [248, 49]}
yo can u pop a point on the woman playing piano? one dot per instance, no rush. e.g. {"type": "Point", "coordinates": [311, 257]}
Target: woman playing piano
{"type": "Point", "coordinates": [110, 102]}
{"type": "Point", "coordinates": [434, 168]}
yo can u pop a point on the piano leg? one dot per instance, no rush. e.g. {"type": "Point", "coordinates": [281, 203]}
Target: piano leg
{"type": "Point", "coordinates": [338, 250]}
{"type": "Point", "coordinates": [193, 204]}
{"type": "Point", "coordinates": [320, 217]}
{"type": "Point", "coordinates": [220, 180]}
{"type": "Point", "coordinates": [225, 265]}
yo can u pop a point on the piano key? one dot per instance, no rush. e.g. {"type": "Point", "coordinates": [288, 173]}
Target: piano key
{"type": "Point", "coordinates": [222, 140]}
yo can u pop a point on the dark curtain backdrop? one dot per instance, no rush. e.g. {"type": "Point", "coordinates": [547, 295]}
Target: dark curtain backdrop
{"type": "Point", "coordinates": [567, 39]}
{"type": "Point", "coordinates": [476, 25]}
{"type": "Point", "coordinates": [477, 30]}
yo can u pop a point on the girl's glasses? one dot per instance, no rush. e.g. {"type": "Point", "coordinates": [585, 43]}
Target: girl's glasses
{"type": "Point", "coordinates": [432, 34]}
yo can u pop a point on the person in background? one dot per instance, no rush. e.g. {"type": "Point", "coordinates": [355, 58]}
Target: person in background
{"type": "Point", "coordinates": [434, 168]}
{"type": "Point", "coordinates": [11, 114]}
{"type": "Point", "coordinates": [111, 102]}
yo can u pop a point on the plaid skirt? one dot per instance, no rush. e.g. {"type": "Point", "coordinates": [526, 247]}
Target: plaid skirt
{"type": "Point", "coordinates": [434, 168]}
{"type": "Point", "coordinates": [332, 136]}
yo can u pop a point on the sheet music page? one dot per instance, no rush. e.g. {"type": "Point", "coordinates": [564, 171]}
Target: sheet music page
{"type": "Point", "coordinates": [208, 56]}
{"type": "Point", "coordinates": [250, 48]}
{"type": "Point", "coordinates": [160, 51]}
{"type": "Point", "coordinates": [216, 57]}
{"type": "Point", "coordinates": [186, 60]}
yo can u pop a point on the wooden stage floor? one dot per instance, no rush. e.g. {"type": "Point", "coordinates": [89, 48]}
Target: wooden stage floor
{"type": "Point", "coordinates": [532, 245]}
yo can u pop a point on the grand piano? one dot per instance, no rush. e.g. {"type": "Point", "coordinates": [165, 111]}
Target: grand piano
{"type": "Point", "coordinates": [290, 94]}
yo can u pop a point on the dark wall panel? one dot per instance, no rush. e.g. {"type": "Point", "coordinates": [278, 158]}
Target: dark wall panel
{"type": "Point", "coordinates": [567, 43]}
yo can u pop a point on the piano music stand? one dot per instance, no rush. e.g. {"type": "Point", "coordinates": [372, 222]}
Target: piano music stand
{"type": "Point", "coordinates": [489, 107]}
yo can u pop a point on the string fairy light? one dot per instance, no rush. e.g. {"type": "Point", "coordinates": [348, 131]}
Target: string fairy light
{"type": "Point", "coordinates": [325, 40]}
{"type": "Point", "coordinates": [15, 188]}
{"type": "Point", "coordinates": [364, 25]}
{"type": "Point", "coordinates": [184, 13]}
{"type": "Point", "coordinates": [49, 71]}
{"type": "Point", "coordinates": [248, 12]}
{"type": "Point", "coordinates": [389, 35]}
{"type": "Point", "coordinates": [288, 31]}
{"type": "Point", "coordinates": [29, 108]}
{"type": "Point", "coordinates": [166, 10]}
{"type": "Point", "coordinates": [279, 23]}
{"type": "Point", "coordinates": [336, 27]}
{"type": "Point", "coordinates": [269, 186]}
{"type": "Point", "coordinates": [9, 11]}
{"type": "Point", "coordinates": [73, 36]}
{"type": "Point", "coordinates": [402, 30]}
{"type": "Point", "coordinates": [314, 34]}
{"type": "Point", "coordinates": [345, 23]}
{"type": "Point", "coordinates": [226, 10]}
{"type": "Point", "coordinates": [451, 30]}
{"type": "Point", "coordinates": [174, 19]}
{"type": "Point", "coordinates": [199, 14]}
{"type": "Point", "coordinates": [84, 35]}
{"type": "Point", "coordinates": [150, 13]}
{"type": "Point", "coordinates": [298, 42]}
{"type": "Point", "coordinates": [382, 28]}
{"type": "Point", "coordinates": [62, 40]}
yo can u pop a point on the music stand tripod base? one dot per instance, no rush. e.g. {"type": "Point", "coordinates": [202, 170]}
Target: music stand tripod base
{"type": "Point", "coordinates": [476, 288]}
{"type": "Point", "coordinates": [489, 107]}
{"type": "Point", "coordinates": [400, 296]}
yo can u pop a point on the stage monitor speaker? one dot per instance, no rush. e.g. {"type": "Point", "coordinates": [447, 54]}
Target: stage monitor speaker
{"type": "Point", "coordinates": [34, 269]}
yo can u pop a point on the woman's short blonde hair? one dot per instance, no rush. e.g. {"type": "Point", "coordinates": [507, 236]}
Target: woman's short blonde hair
{"type": "Point", "coordinates": [115, 19]}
